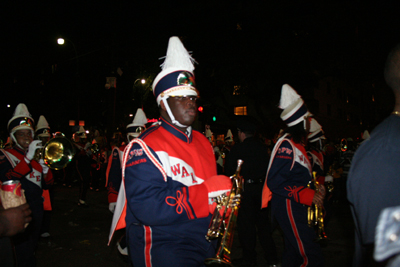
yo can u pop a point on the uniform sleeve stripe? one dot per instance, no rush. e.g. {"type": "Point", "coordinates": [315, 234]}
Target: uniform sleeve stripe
{"type": "Point", "coordinates": [146, 149]}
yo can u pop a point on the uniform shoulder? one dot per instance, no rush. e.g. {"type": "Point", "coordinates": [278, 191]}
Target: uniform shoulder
{"type": "Point", "coordinates": [151, 130]}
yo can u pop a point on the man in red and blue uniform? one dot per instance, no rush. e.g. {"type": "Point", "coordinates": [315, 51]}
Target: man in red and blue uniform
{"type": "Point", "coordinates": [114, 171]}
{"type": "Point", "coordinates": [170, 177]}
{"type": "Point", "coordinates": [288, 175]}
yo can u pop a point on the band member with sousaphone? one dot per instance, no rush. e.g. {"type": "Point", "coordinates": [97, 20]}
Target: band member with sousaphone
{"type": "Point", "coordinates": [42, 133]}
{"type": "Point", "coordinates": [288, 175]}
{"type": "Point", "coordinates": [170, 176]}
{"type": "Point", "coordinates": [18, 163]}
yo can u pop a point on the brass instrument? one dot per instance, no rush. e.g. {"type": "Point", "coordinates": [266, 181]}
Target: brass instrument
{"type": "Point", "coordinates": [95, 148]}
{"type": "Point", "coordinates": [219, 225]}
{"type": "Point", "coordinates": [56, 153]}
{"type": "Point", "coordinates": [315, 214]}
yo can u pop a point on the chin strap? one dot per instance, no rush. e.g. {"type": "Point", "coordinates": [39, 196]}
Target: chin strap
{"type": "Point", "coordinates": [171, 116]}
{"type": "Point", "coordinates": [15, 140]}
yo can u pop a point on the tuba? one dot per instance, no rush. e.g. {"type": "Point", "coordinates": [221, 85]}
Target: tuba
{"type": "Point", "coordinates": [57, 153]}
{"type": "Point", "coordinates": [220, 225]}
{"type": "Point", "coordinates": [315, 214]}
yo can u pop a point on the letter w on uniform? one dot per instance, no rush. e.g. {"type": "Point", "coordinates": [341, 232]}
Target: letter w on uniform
{"type": "Point", "coordinates": [176, 169]}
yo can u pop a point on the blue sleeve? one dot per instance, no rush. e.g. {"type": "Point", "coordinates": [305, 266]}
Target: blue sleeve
{"type": "Point", "coordinates": [282, 176]}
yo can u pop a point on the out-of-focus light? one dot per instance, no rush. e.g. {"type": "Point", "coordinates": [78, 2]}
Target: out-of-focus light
{"type": "Point", "coordinates": [200, 109]}
{"type": "Point", "coordinates": [9, 106]}
{"type": "Point", "coordinates": [130, 115]}
{"type": "Point", "coordinates": [87, 131]}
{"type": "Point", "coordinates": [143, 81]}
{"type": "Point", "coordinates": [60, 41]}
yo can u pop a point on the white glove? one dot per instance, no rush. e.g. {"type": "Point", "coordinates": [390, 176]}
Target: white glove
{"type": "Point", "coordinates": [111, 206]}
{"type": "Point", "coordinates": [44, 166]}
{"type": "Point", "coordinates": [32, 149]}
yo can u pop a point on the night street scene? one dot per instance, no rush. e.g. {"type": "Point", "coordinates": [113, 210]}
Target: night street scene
{"type": "Point", "coordinates": [89, 67]}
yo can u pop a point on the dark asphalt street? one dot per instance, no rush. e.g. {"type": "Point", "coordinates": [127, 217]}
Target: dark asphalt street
{"type": "Point", "coordinates": [79, 234]}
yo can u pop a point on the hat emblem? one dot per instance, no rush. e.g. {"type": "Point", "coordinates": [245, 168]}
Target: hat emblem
{"type": "Point", "coordinates": [25, 123]}
{"type": "Point", "coordinates": [186, 78]}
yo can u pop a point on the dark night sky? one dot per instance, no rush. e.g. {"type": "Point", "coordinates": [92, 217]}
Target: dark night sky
{"type": "Point", "coordinates": [253, 42]}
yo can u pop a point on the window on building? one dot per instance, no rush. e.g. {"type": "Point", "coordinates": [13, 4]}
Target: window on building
{"type": "Point", "coordinates": [240, 110]}
{"type": "Point", "coordinates": [236, 90]}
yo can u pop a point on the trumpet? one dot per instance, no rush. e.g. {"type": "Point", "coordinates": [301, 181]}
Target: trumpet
{"type": "Point", "coordinates": [315, 214]}
{"type": "Point", "coordinates": [219, 226]}
{"type": "Point", "coordinates": [56, 153]}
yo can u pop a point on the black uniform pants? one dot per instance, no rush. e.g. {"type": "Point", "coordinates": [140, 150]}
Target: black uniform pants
{"type": "Point", "coordinates": [255, 222]}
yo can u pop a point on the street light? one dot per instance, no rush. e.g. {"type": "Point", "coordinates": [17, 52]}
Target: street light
{"type": "Point", "coordinates": [61, 41]}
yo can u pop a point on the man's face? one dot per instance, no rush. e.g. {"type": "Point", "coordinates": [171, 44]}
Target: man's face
{"type": "Point", "coordinates": [184, 108]}
{"type": "Point", "coordinates": [24, 138]}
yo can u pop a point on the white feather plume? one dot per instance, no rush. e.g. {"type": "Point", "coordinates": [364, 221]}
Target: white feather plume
{"type": "Point", "coordinates": [177, 56]}
{"type": "Point", "coordinates": [140, 118]}
{"type": "Point", "coordinates": [288, 96]}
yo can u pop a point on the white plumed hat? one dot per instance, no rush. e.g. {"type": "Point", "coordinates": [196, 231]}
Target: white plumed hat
{"type": "Point", "coordinates": [42, 127]}
{"type": "Point", "coordinates": [365, 135]}
{"type": "Point", "coordinates": [138, 125]}
{"type": "Point", "coordinates": [316, 133]}
{"type": "Point", "coordinates": [176, 77]}
{"type": "Point", "coordinates": [229, 136]}
{"type": "Point", "coordinates": [294, 108]}
{"type": "Point", "coordinates": [21, 120]}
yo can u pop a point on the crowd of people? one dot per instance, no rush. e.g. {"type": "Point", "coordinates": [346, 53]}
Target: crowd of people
{"type": "Point", "coordinates": [163, 182]}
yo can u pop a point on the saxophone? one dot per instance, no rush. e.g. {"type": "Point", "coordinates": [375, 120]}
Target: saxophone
{"type": "Point", "coordinates": [218, 225]}
{"type": "Point", "coordinates": [315, 214]}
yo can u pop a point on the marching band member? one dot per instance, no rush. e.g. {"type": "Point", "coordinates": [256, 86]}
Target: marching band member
{"type": "Point", "coordinates": [114, 171]}
{"type": "Point", "coordinates": [42, 133]}
{"type": "Point", "coordinates": [288, 174]}
{"type": "Point", "coordinates": [82, 157]}
{"type": "Point", "coordinates": [170, 175]}
{"type": "Point", "coordinates": [18, 163]}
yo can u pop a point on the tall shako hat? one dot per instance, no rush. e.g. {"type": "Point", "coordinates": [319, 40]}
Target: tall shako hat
{"type": "Point", "coordinates": [229, 137]}
{"type": "Point", "coordinates": [294, 108]}
{"type": "Point", "coordinates": [138, 125]}
{"type": "Point", "coordinates": [365, 135]}
{"type": "Point", "coordinates": [81, 132]}
{"type": "Point", "coordinates": [316, 132]}
{"type": "Point", "coordinates": [176, 77]}
{"type": "Point", "coordinates": [42, 127]}
{"type": "Point", "coordinates": [21, 120]}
